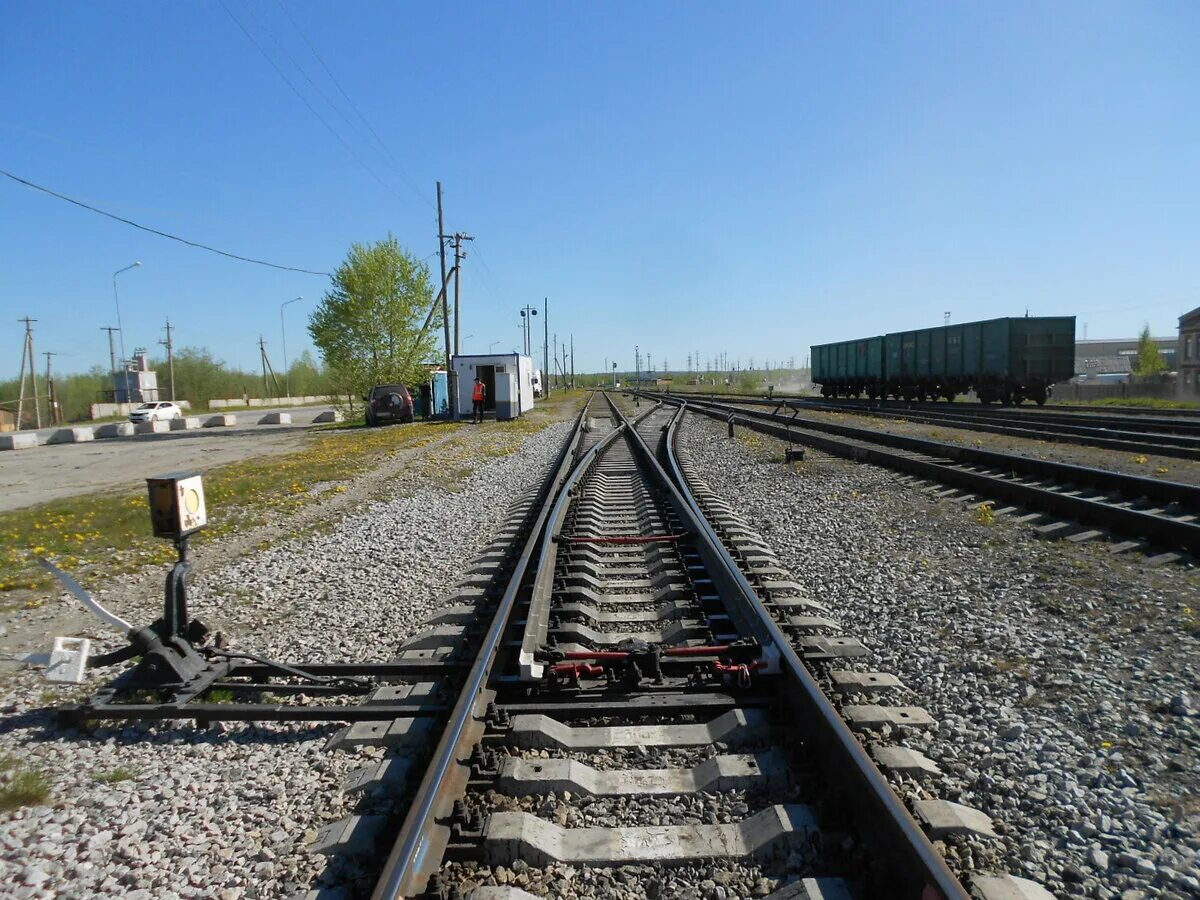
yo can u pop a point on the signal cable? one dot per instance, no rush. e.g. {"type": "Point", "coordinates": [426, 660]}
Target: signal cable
{"type": "Point", "coordinates": [147, 228]}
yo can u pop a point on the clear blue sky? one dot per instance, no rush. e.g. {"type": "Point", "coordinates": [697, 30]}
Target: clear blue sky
{"type": "Point", "coordinates": [750, 178]}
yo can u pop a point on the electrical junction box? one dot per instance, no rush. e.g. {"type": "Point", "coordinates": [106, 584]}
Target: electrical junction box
{"type": "Point", "coordinates": [177, 504]}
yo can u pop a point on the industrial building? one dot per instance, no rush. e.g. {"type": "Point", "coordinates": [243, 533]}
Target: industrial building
{"type": "Point", "coordinates": [508, 378]}
{"type": "Point", "coordinates": [1189, 355]}
{"type": "Point", "coordinates": [1112, 360]}
{"type": "Point", "coordinates": [136, 384]}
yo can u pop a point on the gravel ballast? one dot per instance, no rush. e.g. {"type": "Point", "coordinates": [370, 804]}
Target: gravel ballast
{"type": "Point", "coordinates": [163, 812]}
{"type": "Point", "coordinates": [1063, 677]}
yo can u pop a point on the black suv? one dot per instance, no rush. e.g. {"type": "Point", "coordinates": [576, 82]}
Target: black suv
{"type": "Point", "coordinates": [389, 403]}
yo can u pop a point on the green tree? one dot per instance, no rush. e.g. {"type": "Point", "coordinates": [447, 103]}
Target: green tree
{"type": "Point", "coordinates": [1149, 360]}
{"type": "Point", "coordinates": [368, 326]}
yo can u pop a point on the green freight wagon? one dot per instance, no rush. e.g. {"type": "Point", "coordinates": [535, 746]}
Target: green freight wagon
{"type": "Point", "coordinates": [848, 368]}
{"type": "Point", "coordinates": [1009, 360]}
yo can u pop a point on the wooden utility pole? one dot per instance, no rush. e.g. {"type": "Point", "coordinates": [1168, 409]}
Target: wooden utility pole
{"type": "Point", "coordinates": [546, 346]}
{"type": "Point", "coordinates": [572, 361]}
{"type": "Point", "coordinates": [28, 359]}
{"type": "Point", "coordinates": [266, 367]}
{"type": "Point", "coordinates": [451, 376]}
{"type": "Point", "coordinates": [170, 345]}
{"type": "Point", "coordinates": [52, 410]}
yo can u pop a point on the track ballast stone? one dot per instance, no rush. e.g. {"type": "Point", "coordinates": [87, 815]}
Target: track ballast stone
{"type": "Point", "coordinates": [160, 812]}
{"type": "Point", "coordinates": [1064, 679]}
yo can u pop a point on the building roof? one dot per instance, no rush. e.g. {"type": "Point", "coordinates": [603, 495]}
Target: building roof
{"type": "Point", "coordinates": [1190, 318]}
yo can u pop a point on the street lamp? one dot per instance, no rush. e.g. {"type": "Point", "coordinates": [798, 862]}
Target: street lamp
{"type": "Point", "coordinates": [124, 358]}
{"type": "Point", "coordinates": [287, 370]}
{"type": "Point", "coordinates": [526, 316]}
{"type": "Point", "coordinates": [490, 346]}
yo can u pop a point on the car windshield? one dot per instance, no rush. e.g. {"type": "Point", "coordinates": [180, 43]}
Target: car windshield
{"type": "Point", "coordinates": [146, 406]}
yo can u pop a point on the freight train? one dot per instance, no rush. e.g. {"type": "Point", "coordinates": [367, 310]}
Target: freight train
{"type": "Point", "coordinates": [1009, 360]}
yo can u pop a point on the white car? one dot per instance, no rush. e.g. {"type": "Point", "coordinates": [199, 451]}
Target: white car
{"type": "Point", "coordinates": [156, 412]}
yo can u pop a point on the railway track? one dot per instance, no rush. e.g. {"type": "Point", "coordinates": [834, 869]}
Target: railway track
{"type": "Point", "coordinates": [643, 715]}
{"type": "Point", "coordinates": [1178, 438]}
{"type": "Point", "coordinates": [1182, 414]}
{"type": "Point", "coordinates": [1147, 513]}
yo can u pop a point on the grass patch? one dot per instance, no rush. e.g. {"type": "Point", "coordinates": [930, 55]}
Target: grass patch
{"type": "Point", "coordinates": [108, 534]}
{"type": "Point", "coordinates": [21, 786]}
{"type": "Point", "coordinates": [458, 457]}
{"type": "Point", "coordinates": [114, 775]}
{"type": "Point", "coordinates": [1143, 402]}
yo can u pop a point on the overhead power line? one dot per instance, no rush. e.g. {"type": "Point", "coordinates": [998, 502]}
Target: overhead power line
{"type": "Point", "coordinates": [173, 237]}
{"type": "Point", "coordinates": [303, 99]}
{"type": "Point", "coordinates": [354, 106]}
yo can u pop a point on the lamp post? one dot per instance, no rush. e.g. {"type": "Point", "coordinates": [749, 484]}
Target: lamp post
{"type": "Point", "coordinates": [287, 370]}
{"type": "Point", "coordinates": [121, 330]}
{"type": "Point", "coordinates": [527, 315]}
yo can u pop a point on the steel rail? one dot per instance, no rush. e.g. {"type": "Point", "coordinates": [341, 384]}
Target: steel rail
{"type": "Point", "coordinates": [1181, 446]}
{"type": "Point", "coordinates": [880, 813]}
{"type": "Point", "coordinates": [1146, 422]}
{"type": "Point", "coordinates": [727, 577]}
{"type": "Point", "coordinates": [1177, 415]}
{"type": "Point", "coordinates": [944, 462]}
{"type": "Point", "coordinates": [537, 622]}
{"type": "Point", "coordinates": [404, 872]}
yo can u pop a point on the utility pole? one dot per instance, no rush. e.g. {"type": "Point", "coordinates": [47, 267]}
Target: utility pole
{"type": "Point", "coordinates": [546, 346]}
{"type": "Point", "coordinates": [267, 367]}
{"type": "Point", "coordinates": [28, 359]}
{"type": "Point", "coordinates": [112, 345]}
{"type": "Point", "coordinates": [458, 237]}
{"type": "Point", "coordinates": [51, 400]}
{"type": "Point", "coordinates": [52, 396]}
{"type": "Point", "coordinates": [451, 377]}
{"type": "Point", "coordinates": [572, 361]}
{"type": "Point", "coordinates": [637, 378]}
{"type": "Point", "coordinates": [170, 345]}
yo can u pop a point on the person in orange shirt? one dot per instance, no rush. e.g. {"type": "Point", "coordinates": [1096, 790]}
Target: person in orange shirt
{"type": "Point", "coordinates": [477, 398]}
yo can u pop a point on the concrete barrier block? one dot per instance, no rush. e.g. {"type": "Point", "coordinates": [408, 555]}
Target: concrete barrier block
{"type": "Point", "coordinates": [275, 418]}
{"type": "Point", "coordinates": [18, 440]}
{"type": "Point", "coordinates": [114, 429]}
{"type": "Point", "coordinates": [156, 427]}
{"type": "Point", "coordinates": [72, 436]}
{"type": "Point", "coordinates": [259, 402]}
{"type": "Point", "coordinates": [221, 420]}
{"type": "Point", "coordinates": [185, 423]}
{"type": "Point", "coordinates": [330, 415]}
{"type": "Point", "coordinates": [218, 404]}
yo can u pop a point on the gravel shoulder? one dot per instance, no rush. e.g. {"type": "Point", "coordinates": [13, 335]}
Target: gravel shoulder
{"type": "Point", "coordinates": [1064, 679]}
{"type": "Point", "coordinates": [1166, 468]}
{"type": "Point", "coordinates": [162, 811]}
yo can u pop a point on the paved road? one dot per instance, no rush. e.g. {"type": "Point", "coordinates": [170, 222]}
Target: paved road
{"type": "Point", "coordinates": [46, 473]}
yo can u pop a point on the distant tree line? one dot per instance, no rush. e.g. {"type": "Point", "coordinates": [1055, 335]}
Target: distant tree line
{"type": "Point", "coordinates": [199, 378]}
